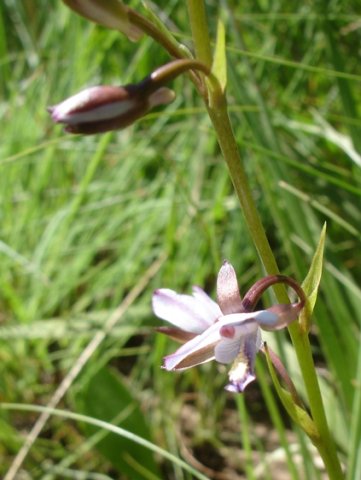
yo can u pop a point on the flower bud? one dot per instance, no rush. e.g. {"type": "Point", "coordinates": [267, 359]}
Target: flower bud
{"type": "Point", "coordinates": [108, 13]}
{"type": "Point", "coordinates": [104, 108]}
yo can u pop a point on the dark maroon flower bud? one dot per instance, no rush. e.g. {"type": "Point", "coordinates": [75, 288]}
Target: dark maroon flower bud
{"type": "Point", "coordinates": [104, 108]}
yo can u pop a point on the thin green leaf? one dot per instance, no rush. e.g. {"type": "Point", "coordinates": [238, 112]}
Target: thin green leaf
{"type": "Point", "coordinates": [105, 397]}
{"type": "Point", "coordinates": [106, 426]}
{"type": "Point", "coordinates": [312, 281]}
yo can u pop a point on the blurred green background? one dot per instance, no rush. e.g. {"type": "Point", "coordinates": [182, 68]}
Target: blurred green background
{"type": "Point", "coordinates": [84, 218]}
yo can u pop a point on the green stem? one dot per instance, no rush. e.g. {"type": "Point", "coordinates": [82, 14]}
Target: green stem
{"type": "Point", "coordinates": [325, 443]}
{"type": "Point", "coordinates": [199, 27]}
{"type": "Point", "coordinates": [226, 140]}
{"type": "Point", "coordinates": [171, 70]}
{"type": "Point", "coordinates": [221, 122]}
{"type": "Point", "coordinates": [162, 37]}
{"type": "Point", "coordinates": [164, 74]}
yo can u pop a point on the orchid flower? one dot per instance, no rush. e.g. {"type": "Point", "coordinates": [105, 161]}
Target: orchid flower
{"type": "Point", "coordinates": [226, 331]}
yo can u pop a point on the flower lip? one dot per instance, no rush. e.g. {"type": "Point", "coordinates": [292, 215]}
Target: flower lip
{"type": "Point", "coordinates": [239, 385]}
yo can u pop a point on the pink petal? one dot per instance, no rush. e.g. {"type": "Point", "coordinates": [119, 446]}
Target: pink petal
{"type": "Point", "coordinates": [228, 296]}
{"type": "Point", "coordinates": [188, 313]}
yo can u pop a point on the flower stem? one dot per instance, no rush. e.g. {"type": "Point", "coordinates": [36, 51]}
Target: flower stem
{"type": "Point", "coordinates": [199, 27]}
{"type": "Point", "coordinates": [171, 70]}
{"type": "Point", "coordinates": [162, 37]}
{"type": "Point", "coordinates": [219, 116]}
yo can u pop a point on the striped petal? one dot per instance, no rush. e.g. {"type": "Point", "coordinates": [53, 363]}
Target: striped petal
{"type": "Point", "coordinates": [228, 296]}
{"type": "Point", "coordinates": [198, 350]}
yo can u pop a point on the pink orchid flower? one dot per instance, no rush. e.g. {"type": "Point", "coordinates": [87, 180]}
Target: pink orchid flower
{"type": "Point", "coordinates": [222, 331]}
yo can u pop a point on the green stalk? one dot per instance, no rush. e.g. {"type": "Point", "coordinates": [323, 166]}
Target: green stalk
{"type": "Point", "coordinates": [200, 34]}
{"type": "Point", "coordinates": [219, 116]}
{"type": "Point", "coordinates": [163, 37]}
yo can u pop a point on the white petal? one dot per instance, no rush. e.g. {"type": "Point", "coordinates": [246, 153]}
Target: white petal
{"type": "Point", "coordinates": [239, 377]}
{"type": "Point", "coordinates": [203, 344]}
{"type": "Point", "coordinates": [197, 357]}
{"type": "Point", "coordinates": [211, 308]}
{"type": "Point", "coordinates": [243, 323]}
{"type": "Point", "coordinates": [201, 348]}
{"type": "Point", "coordinates": [228, 296]}
{"type": "Point", "coordinates": [184, 311]}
